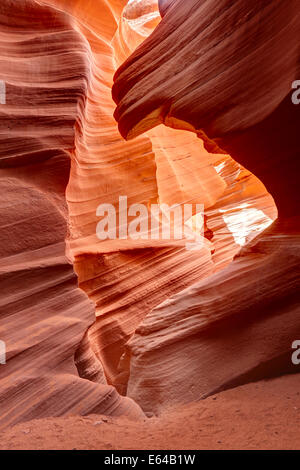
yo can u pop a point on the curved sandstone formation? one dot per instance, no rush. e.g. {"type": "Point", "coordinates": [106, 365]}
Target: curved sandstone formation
{"type": "Point", "coordinates": [44, 314]}
{"type": "Point", "coordinates": [223, 71]}
{"type": "Point", "coordinates": [61, 157]}
{"type": "Point", "coordinates": [126, 279]}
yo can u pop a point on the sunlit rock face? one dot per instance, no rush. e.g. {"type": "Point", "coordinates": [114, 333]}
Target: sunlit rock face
{"type": "Point", "coordinates": [223, 70]}
{"type": "Point", "coordinates": [135, 326]}
{"type": "Point", "coordinates": [126, 280]}
{"type": "Point", "coordinates": [45, 65]}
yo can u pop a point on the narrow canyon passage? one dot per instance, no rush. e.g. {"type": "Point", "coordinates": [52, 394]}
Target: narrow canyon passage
{"type": "Point", "coordinates": [124, 279]}
{"type": "Point", "coordinates": [152, 324]}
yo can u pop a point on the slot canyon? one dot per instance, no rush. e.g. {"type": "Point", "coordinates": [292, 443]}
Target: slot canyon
{"type": "Point", "coordinates": [165, 102]}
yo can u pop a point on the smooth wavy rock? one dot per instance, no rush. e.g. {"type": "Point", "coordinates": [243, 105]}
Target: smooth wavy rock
{"type": "Point", "coordinates": [44, 315]}
{"type": "Point", "coordinates": [223, 70]}
{"type": "Point", "coordinates": [61, 157]}
{"type": "Point", "coordinates": [235, 327]}
{"type": "Point", "coordinates": [220, 69]}
{"type": "Point", "coordinates": [127, 279]}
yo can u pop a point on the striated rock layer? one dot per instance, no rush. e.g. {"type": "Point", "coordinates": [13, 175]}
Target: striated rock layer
{"type": "Point", "coordinates": [43, 312]}
{"type": "Point", "coordinates": [62, 156]}
{"type": "Point", "coordinates": [127, 279]}
{"type": "Point", "coordinates": [223, 71]}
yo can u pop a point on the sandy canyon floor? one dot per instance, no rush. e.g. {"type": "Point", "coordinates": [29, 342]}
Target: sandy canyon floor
{"type": "Point", "coordinates": [262, 415]}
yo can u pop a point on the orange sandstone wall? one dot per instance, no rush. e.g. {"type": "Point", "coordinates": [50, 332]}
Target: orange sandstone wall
{"type": "Point", "coordinates": [223, 70]}
{"type": "Point", "coordinates": [58, 59]}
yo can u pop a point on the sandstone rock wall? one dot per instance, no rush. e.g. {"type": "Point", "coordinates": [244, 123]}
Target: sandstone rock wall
{"type": "Point", "coordinates": [61, 156]}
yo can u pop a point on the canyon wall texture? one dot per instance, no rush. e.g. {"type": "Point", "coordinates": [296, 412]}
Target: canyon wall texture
{"type": "Point", "coordinates": [223, 70]}
{"type": "Point", "coordinates": [44, 315]}
{"type": "Point", "coordinates": [143, 318]}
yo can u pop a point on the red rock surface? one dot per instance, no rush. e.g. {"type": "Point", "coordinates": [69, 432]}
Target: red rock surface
{"type": "Point", "coordinates": [43, 312]}
{"type": "Point", "coordinates": [154, 308]}
{"type": "Point", "coordinates": [223, 71]}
